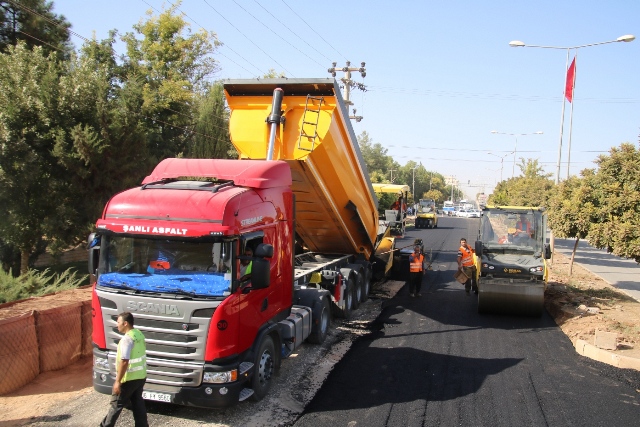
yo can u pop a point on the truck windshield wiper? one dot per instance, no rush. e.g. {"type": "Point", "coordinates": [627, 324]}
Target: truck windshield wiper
{"type": "Point", "coordinates": [121, 285]}
{"type": "Point", "coordinates": [177, 291]}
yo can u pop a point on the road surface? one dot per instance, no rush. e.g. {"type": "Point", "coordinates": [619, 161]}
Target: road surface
{"type": "Point", "coordinates": [433, 361]}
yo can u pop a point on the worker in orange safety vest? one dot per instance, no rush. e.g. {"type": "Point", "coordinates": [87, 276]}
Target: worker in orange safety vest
{"type": "Point", "coordinates": [466, 265]}
{"type": "Point", "coordinates": [416, 271]}
{"type": "Point", "coordinates": [524, 226]}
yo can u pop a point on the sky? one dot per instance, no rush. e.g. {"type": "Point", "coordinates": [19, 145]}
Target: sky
{"type": "Point", "coordinates": [440, 76]}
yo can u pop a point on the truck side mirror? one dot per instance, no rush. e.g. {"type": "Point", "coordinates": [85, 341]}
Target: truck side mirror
{"type": "Point", "coordinates": [260, 273]}
{"type": "Point", "coordinates": [547, 251]}
{"type": "Point", "coordinates": [93, 244]}
{"type": "Point", "coordinates": [478, 248]}
{"type": "Point", "coordinates": [94, 259]}
{"type": "Point", "coordinates": [263, 250]}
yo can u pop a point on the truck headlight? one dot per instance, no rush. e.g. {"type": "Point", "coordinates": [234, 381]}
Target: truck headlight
{"type": "Point", "coordinates": [100, 363]}
{"type": "Point", "coordinates": [537, 269]}
{"type": "Point", "coordinates": [489, 266]}
{"type": "Point", "coordinates": [220, 377]}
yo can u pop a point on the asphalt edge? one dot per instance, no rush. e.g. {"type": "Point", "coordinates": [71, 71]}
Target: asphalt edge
{"type": "Point", "coordinates": [585, 349]}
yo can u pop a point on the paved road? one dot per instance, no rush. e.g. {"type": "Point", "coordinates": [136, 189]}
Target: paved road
{"type": "Point", "coordinates": [433, 361]}
{"type": "Point", "coordinates": [619, 272]}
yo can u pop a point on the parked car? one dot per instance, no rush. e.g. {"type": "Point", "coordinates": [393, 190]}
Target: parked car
{"type": "Point", "coordinates": [473, 213]}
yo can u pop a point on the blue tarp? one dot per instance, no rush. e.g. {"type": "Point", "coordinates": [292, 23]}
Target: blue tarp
{"type": "Point", "coordinates": [193, 282]}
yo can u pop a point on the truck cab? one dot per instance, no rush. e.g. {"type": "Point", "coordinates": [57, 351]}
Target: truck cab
{"type": "Point", "coordinates": [169, 252]}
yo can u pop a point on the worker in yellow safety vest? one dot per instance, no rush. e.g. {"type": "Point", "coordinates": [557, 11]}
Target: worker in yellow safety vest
{"type": "Point", "coordinates": [416, 271]}
{"type": "Point", "coordinates": [131, 374]}
{"type": "Point", "coordinates": [466, 265]}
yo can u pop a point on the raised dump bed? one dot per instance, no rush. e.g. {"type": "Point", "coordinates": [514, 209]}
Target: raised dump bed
{"type": "Point", "coordinates": [336, 208]}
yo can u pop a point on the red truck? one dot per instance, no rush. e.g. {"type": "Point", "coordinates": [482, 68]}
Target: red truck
{"type": "Point", "coordinates": [170, 250]}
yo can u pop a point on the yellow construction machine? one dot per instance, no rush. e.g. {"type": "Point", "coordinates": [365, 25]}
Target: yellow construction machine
{"type": "Point", "coordinates": [510, 256]}
{"type": "Point", "coordinates": [394, 218]}
{"type": "Point", "coordinates": [426, 215]}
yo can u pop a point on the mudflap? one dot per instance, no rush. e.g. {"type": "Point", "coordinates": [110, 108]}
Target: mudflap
{"type": "Point", "coordinates": [522, 299]}
{"type": "Point", "coordinates": [401, 264]}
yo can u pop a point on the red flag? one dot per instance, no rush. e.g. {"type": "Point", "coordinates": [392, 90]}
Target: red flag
{"type": "Point", "coordinates": [571, 80]}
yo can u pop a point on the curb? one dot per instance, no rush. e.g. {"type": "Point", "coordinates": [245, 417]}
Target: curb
{"type": "Point", "coordinates": [585, 349]}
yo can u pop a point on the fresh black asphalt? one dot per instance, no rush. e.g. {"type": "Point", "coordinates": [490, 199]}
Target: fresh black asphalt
{"type": "Point", "coordinates": [434, 361]}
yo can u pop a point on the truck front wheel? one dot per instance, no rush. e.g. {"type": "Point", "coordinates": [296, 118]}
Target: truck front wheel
{"type": "Point", "coordinates": [264, 369]}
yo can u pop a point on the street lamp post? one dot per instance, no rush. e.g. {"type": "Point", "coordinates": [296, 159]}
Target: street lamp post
{"type": "Point", "coordinates": [517, 43]}
{"type": "Point", "coordinates": [515, 149]}
{"type": "Point", "coordinates": [501, 161]}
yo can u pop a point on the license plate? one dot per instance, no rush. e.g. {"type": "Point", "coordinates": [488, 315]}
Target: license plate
{"type": "Point", "coordinates": [158, 397]}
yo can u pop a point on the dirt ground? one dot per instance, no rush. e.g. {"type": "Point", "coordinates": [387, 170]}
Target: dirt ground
{"type": "Point", "coordinates": [584, 303]}
{"type": "Point", "coordinates": [580, 304]}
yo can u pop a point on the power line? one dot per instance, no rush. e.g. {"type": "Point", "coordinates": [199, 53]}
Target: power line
{"type": "Point", "coordinates": [270, 29]}
{"type": "Point", "coordinates": [319, 35]}
{"type": "Point", "coordinates": [245, 36]}
{"type": "Point", "coordinates": [221, 43]}
{"type": "Point", "coordinates": [472, 95]}
{"type": "Point", "coordinates": [33, 12]}
{"type": "Point", "coordinates": [41, 41]}
{"type": "Point", "coordinates": [292, 32]}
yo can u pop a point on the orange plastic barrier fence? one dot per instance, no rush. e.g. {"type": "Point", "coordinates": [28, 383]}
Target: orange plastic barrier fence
{"type": "Point", "coordinates": [19, 355]}
{"type": "Point", "coordinates": [43, 334]}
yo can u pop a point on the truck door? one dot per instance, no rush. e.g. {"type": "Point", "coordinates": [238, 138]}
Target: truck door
{"type": "Point", "coordinates": [257, 307]}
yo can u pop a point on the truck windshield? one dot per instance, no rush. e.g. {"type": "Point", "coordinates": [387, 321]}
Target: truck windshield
{"type": "Point", "coordinates": [516, 231]}
{"type": "Point", "coordinates": [162, 265]}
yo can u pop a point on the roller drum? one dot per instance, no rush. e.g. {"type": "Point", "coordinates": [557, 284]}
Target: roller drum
{"type": "Point", "coordinates": [523, 299]}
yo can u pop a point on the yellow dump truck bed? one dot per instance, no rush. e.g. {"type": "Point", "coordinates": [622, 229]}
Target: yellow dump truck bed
{"type": "Point", "coordinates": [336, 208]}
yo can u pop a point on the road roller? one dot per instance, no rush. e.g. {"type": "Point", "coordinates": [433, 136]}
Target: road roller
{"type": "Point", "coordinates": [426, 214]}
{"type": "Point", "coordinates": [511, 256]}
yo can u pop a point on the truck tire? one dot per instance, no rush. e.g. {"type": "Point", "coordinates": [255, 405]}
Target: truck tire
{"type": "Point", "coordinates": [321, 321]}
{"type": "Point", "coordinates": [345, 312]}
{"type": "Point", "coordinates": [265, 364]}
{"type": "Point", "coordinates": [366, 285]}
{"type": "Point", "coordinates": [358, 284]}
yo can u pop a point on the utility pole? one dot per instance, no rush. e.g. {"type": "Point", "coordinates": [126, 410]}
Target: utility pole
{"type": "Point", "coordinates": [348, 84]}
{"type": "Point", "coordinates": [452, 188]}
{"type": "Point", "coordinates": [391, 170]}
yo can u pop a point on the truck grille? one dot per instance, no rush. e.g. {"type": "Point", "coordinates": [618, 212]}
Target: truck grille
{"type": "Point", "coordinates": [175, 344]}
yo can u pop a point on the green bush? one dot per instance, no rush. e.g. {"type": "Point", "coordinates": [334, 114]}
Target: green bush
{"type": "Point", "coordinates": [37, 283]}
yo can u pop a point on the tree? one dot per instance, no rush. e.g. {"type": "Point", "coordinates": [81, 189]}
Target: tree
{"type": "Point", "coordinates": [572, 209]}
{"type": "Point", "coordinates": [34, 23]}
{"type": "Point", "coordinates": [617, 190]}
{"type": "Point", "coordinates": [435, 195]}
{"type": "Point", "coordinates": [101, 141]}
{"type": "Point", "coordinates": [171, 65]}
{"type": "Point", "coordinates": [29, 173]}
{"type": "Point", "coordinates": [211, 135]}
{"type": "Point", "coordinates": [531, 189]}
{"type": "Point", "coordinates": [273, 74]}
{"type": "Point", "coordinates": [375, 156]}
